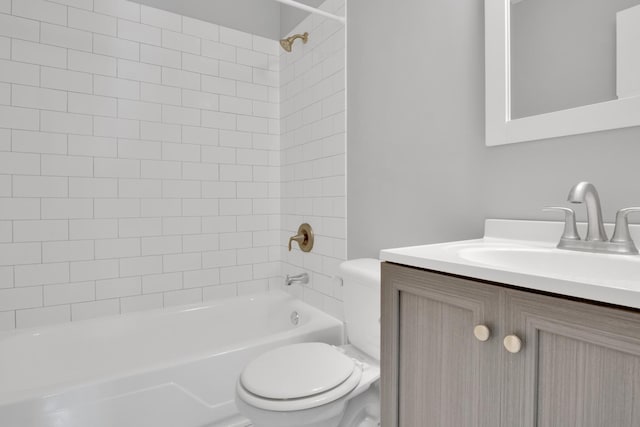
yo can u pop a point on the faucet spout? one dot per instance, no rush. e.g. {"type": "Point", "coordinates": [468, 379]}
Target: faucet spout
{"type": "Point", "coordinates": [587, 193]}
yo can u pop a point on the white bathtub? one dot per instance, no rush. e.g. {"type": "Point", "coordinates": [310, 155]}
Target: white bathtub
{"type": "Point", "coordinates": [165, 368]}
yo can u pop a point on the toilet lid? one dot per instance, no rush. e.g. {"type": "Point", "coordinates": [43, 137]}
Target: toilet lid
{"type": "Point", "coordinates": [296, 371]}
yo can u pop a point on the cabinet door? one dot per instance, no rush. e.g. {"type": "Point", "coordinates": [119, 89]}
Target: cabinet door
{"type": "Point", "coordinates": [579, 366]}
{"type": "Point", "coordinates": [434, 372]}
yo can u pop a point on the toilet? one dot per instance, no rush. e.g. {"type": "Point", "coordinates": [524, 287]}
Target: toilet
{"type": "Point", "coordinates": [316, 384]}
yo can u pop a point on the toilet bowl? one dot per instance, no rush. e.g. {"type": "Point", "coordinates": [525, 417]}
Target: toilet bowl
{"type": "Point", "coordinates": [316, 384]}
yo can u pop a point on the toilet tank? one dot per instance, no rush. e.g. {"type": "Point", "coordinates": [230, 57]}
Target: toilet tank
{"type": "Point", "coordinates": [361, 299]}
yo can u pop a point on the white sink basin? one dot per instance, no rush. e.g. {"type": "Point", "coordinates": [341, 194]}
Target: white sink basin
{"type": "Point", "coordinates": [536, 264]}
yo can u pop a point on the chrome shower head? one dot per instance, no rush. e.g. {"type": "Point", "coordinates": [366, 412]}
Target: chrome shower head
{"type": "Point", "coordinates": [287, 43]}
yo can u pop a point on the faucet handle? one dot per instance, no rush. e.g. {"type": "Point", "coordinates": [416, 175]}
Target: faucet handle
{"type": "Point", "coordinates": [621, 233]}
{"type": "Point", "coordinates": [570, 230]}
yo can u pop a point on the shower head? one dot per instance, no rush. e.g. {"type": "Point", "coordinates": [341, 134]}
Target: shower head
{"type": "Point", "coordinates": [288, 42]}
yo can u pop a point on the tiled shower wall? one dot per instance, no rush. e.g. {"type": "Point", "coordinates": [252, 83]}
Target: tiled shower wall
{"type": "Point", "coordinates": [312, 95]}
{"type": "Point", "coordinates": [139, 160]}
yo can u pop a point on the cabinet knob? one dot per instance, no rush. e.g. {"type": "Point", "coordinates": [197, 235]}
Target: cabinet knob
{"type": "Point", "coordinates": [482, 333]}
{"type": "Point", "coordinates": [513, 344]}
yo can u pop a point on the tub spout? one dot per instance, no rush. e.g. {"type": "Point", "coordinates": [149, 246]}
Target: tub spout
{"type": "Point", "coordinates": [302, 278]}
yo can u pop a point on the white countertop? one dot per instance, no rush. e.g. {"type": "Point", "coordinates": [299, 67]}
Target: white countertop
{"type": "Point", "coordinates": [523, 254]}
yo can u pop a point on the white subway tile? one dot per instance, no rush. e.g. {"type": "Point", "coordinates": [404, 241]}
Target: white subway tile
{"type": "Point", "coordinates": [5, 185]}
{"type": "Point", "coordinates": [139, 227]}
{"type": "Point", "coordinates": [201, 243]}
{"type": "Point", "coordinates": [180, 152]}
{"type": "Point", "coordinates": [19, 28]}
{"type": "Point", "coordinates": [160, 94]}
{"type": "Point", "coordinates": [66, 37]}
{"type": "Point", "coordinates": [218, 259]}
{"type": "Point", "coordinates": [118, 288]}
{"type": "Point", "coordinates": [231, 104]}
{"type": "Point", "coordinates": [200, 207]}
{"type": "Point", "coordinates": [92, 146]}
{"type": "Point", "coordinates": [41, 274]}
{"type": "Point", "coordinates": [120, 8]}
{"type": "Point", "coordinates": [69, 293]}
{"type": "Point", "coordinates": [252, 58]}
{"type": "Point", "coordinates": [5, 6]}
{"type": "Point", "coordinates": [18, 163]}
{"type": "Point", "coordinates": [236, 38]}
{"type": "Point", "coordinates": [180, 115]}
{"type": "Point", "coordinates": [119, 88]}
{"type": "Point", "coordinates": [42, 316]}
{"type": "Point", "coordinates": [66, 80]}
{"type": "Point", "coordinates": [161, 207]}
{"type": "Point", "coordinates": [117, 248]}
{"type": "Point", "coordinates": [94, 270]}
{"type": "Point", "coordinates": [40, 231]}
{"type": "Point", "coordinates": [236, 173]}
{"type": "Point", "coordinates": [219, 292]}
{"type": "Point", "coordinates": [118, 48]}
{"type": "Point", "coordinates": [235, 207]}
{"type": "Point", "coordinates": [160, 56]}
{"type": "Point", "coordinates": [93, 187]}
{"type": "Point", "coordinates": [120, 128]}
{"type": "Point", "coordinates": [218, 85]}
{"type": "Point", "coordinates": [179, 78]}
{"type": "Point", "coordinates": [235, 139]}
{"type": "Point", "coordinates": [201, 278]}
{"type": "Point", "coordinates": [142, 33]}
{"type": "Point", "coordinates": [181, 225]}
{"type": "Point", "coordinates": [40, 10]}
{"type": "Point", "coordinates": [91, 104]}
{"type": "Point", "coordinates": [16, 72]}
{"type": "Point", "coordinates": [52, 121]}
{"type": "Point", "coordinates": [202, 29]}
{"type": "Point", "coordinates": [142, 302]}
{"type": "Point", "coordinates": [90, 63]}
{"type": "Point", "coordinates": [5, 93]}
{"type": "Point", "coordinates": [253, 124]}
{"type": "Point", "coordinates": [182, 262]}
{"type": "Point", "coordinates": [161, 283]}
{"type": "Point", "coordinates": [19, 118]}
{"type": "Point", "coordinates": [236, 274]}
{"type": "Point", "coordinates": [253, 190]}
{"type": "Point", "coordinates": [161, 245]}
{"type": "Point", "coordinates": [200, 64]}
{"type": "Point", "coordinates": [140, 266]}
{"type": "Point", "coordinates": [7, 318]}
{"type": "Point", "coordinates": [139, 71]}
{"type": "Point", "coordinates": [161, 169]}
{"type": "Point", "coordinates": [38, 142]}
{"type": "Point", "coordinates": [81, 4]}
{"type": "Point", "coordinates": [183, 297]}
{"type": "Point", "coordinates": [180, 189]}
{"type": "Point", "coordinates": [93, 309]}
{"type": "Point", "coordinates": [202, 100]}
{"type": "Point", "coordinates": [138, 110]}
{"type": "Point", "coordinates": [34, 97]}
{"type": "Point", "coordinates": [66, 166]}
{"type": "Point", "coordinates": [266, 77]}
{"type": "Point", "coordinates": [160, 132]}
{"type": "Point", "coordinates": [94, 22]}
{"type": "Point", "coordinates": [116, 208]}
{"type": "Point", "coordinates": [80, 229]}
{"type": "Point", "coordinates": [234, 71]}
{"type": "Point", "coordinates": [35, 53]}
{"type": "Point", "coordinates": [20, 298]}
{"type": "Point", "coordinates": [117, 168]}
{"type": "Point", "coordinates": [66, 208]}
{"type": "Point", "coordinates": [199, 135]}
{"type": "Point", "coordinates": [40, 186]}
{"type": "Point", "coordinates": [200, 171]}
{"type": "Point", "coordinates": [67, 251]}
{"type": "Point", "coordinates": [139, 188]}
{"type": "Point", "coordinates": [182, 42]}
{"type": "Point", "coordinates": [253, 91]}
{"type": "Point", "coordinates": [265, 45]}
{"type": "Point", "coordinates": [136, 149]}
{"type": "Point", "coordinates": [5, 47]}
{"type": "Point", "coordinates": [252, 255]}
{"type": "Point", "coordinates": [20, 253]}
{"type": "Point", "coordinates": [219, 190]}
{"type": "Point", "coordinates": [160, 18]}
{"type": "Point", "coordinates": [214, 119]}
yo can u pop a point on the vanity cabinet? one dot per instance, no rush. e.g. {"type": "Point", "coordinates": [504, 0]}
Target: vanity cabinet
{"type": "Point", "coordinates": [578, 364]}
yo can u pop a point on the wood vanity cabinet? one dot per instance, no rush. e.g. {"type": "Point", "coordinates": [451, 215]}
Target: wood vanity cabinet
{"type": "Point", "coordinates": [578, 366]}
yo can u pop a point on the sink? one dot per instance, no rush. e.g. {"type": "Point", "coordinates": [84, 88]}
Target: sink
{"type": "Point", "coordinates": [524, 254]}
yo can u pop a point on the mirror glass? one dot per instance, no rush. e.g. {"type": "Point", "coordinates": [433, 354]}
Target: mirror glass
{"type": "Point", "coordinates": [572, 53]}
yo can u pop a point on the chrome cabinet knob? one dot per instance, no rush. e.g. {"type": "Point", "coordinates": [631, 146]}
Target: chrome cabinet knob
{"type": "Point", "coordinates": [512, 343]}
{"type": "Point", "coordinates": [482, 333]}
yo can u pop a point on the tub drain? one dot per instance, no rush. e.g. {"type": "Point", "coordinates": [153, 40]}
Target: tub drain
{"type": "Point", "coordinates": [295, 317]}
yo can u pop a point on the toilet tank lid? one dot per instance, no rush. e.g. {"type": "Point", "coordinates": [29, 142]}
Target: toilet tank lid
{"type": "Point", "coordinates": [362, 269]}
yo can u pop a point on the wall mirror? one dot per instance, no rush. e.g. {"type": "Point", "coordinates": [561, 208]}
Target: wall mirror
{"type": "Point", "coordinates": [560, 67]}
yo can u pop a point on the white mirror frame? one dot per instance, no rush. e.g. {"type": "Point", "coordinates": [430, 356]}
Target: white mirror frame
{"type": "Point", "coordinates": [500, 129]}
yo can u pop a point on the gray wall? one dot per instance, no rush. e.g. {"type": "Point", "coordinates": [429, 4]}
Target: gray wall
{"type": "Point", "coordinates": [418, 169]}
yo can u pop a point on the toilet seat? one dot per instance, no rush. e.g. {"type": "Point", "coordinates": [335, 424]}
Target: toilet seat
{"type": "Point", "coordinates": [298, 376]}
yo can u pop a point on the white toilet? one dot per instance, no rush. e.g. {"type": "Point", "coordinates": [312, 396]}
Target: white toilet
{"type": "Point", "coordinates": [316, 384]}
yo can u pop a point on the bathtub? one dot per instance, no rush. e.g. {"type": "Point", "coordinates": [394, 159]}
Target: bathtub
{"type": "Point", "coordinates": [163, 368]}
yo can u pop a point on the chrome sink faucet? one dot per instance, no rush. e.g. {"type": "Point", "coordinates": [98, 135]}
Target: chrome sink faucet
{"type": "Point", "coordinates": [596, 239]}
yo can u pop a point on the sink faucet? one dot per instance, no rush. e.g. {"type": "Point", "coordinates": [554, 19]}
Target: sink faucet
{"type": "Point", "coordinates": [596, 239]}
{"type": "Point", "coordinates": [587, 193]}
